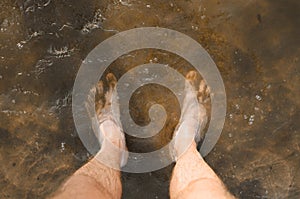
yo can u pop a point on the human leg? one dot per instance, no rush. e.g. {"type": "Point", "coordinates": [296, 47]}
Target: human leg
{"type": "Point", "coordinates": [192, 177]}
{"type": "Point", "coordinates": [95, 179]}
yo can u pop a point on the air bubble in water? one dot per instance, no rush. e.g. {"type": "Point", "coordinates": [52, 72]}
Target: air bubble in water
{"type": "Point", "coordinates": [62, 146]}
{"type": "Point", "coordinates": [19, 45]}
{"type": "Point", "coordinates": [259, 98]}
{"type": "Point", "coordinates": [251, 119]}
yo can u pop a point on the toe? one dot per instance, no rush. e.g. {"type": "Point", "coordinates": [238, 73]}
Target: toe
{"type": "Point", "coordinates": [99, 97]}
{"type": "Point", "coordinates": [111, 80]}
{"type": "Point", "coordinates": [192, 77]}
{"type": "Point", "coordinates": [99, 88]}
{"type": "Point", "coordinates": [90, 101]}
{"type": "Point", "coordinates": [202, 86]}
{"type": "Point", "coordinates": [204, 92]}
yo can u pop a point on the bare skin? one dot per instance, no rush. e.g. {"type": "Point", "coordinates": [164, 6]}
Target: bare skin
{"type": "Point", "coordinates": [93, 180]}
{"type": "Point", "coordinates": [191, 178]}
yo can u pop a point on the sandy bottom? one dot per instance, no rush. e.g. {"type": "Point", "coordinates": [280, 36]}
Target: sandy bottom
{"type": "Point", "coordinates": [255, 45]}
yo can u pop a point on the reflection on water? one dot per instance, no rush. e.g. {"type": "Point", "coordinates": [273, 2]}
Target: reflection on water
{"type": "Point", "coordinates": [255, 45]}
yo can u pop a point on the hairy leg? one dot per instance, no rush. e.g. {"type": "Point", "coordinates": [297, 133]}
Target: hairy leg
{"type": "Point", "coordinates": [95, 179]}
{"type": "Point", "coordinates": [192, 177]}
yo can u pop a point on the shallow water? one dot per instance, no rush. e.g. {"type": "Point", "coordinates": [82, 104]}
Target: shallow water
{"type": "Point", "coordinates": [255, 45]}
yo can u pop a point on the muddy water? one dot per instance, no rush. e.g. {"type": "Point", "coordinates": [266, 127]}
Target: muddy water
{"type": "Point", "coordinates": [254, 43]}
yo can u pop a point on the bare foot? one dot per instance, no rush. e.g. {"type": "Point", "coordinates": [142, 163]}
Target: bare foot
{"type": "Point", "coordinates": [106, 124]}
{"type": "Point", "coordinates": [193, 114]}
{"type": "Point", "coordinates": [192, 177]}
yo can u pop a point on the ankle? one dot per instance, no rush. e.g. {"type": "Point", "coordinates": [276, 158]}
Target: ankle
{"type": "Point", "coordinates": [190, 153]}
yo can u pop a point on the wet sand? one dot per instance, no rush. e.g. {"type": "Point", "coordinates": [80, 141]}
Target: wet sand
{"type": "Point", "coordinates": [255, 45]}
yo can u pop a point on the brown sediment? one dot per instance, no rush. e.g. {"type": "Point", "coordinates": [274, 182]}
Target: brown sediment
{"type": "Point", "coordinates": [255, 45]}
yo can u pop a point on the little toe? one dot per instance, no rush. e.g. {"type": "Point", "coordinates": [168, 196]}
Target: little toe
{"type": "Point", "coordinates": [90, 101]}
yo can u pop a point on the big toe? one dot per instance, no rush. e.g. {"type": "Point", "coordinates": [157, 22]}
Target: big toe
{"type": "Point", "coordinates": [193, 78]}
{"type": "Point", "coordinates": [111, 80]}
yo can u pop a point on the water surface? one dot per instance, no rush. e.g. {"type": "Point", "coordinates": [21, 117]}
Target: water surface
{"type": "Point", "coordinates": [255, 45]}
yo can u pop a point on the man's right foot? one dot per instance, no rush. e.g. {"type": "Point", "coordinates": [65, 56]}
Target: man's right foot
{"type": "Point", "coordinates": [193, 114]}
